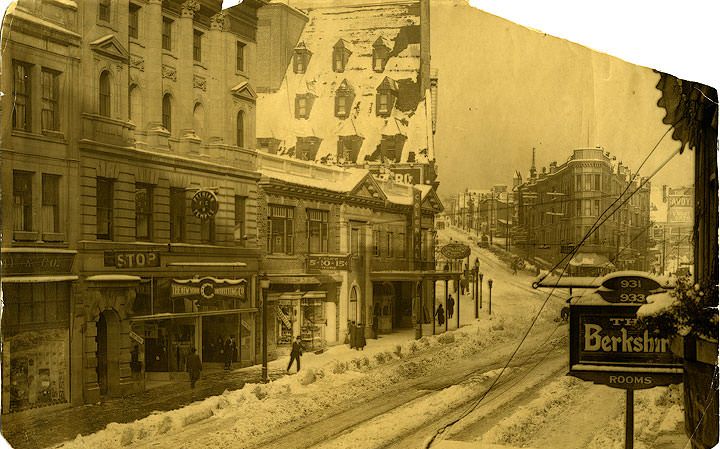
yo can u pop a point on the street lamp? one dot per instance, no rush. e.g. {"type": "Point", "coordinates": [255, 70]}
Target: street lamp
{"type": "Point", "coordinates": [264, 286]}
{"type": "Point", "coordinates": [475, 287]}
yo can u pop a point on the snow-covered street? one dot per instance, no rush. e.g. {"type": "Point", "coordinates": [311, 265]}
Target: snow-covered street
{"type": "Point", "coordinates": [398, 391]}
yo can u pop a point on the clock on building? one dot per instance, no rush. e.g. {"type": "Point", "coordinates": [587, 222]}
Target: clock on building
{"type": "Point", "coordinates": [204, 204]}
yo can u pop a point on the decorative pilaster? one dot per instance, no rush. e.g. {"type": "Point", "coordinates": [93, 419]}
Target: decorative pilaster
{"type": "Point", "coordinates": [216, 87]}
{"type": "Point", "coordinates": [184, 96]}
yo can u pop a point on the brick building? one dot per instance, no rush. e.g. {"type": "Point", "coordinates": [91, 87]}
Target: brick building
{"type": "Point", "coordinates": [558, 206]}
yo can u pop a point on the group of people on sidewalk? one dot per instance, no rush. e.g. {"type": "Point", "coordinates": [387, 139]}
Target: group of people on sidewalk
{"type": "Point", "coordinates": [356, 336]}
{"type": "Point", "coordinates": [440, 312]}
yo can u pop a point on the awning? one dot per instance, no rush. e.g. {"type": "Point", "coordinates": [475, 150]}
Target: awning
{"type": "Point", "coordinates": [589, 260]}
{"type": "Point", "coordinates": [113, 278]}
{"type": "Point", "coordinates": [414, 275]}
{"type": "Point", "coordinates": [37, 279]}
{"type": "Point", "coordinates": [301, 279]}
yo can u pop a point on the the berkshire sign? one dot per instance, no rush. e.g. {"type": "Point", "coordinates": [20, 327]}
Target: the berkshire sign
{"type": "Point", "coordinates": [455, 251]}
{"type": "Point", "coordinates": [610, 346]}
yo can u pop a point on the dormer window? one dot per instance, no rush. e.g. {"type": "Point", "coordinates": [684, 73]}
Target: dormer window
{"type": "Point", "coordinates": [341, 54]}
{"type": "Point", "coordinates": [303, 105]}
{"type": "Point", "coordinates": [344, 96]}
{"type": "Point", "coordinates": [386, 97]}
{"type": "Point", "coordinates": [301, 58]}
{"type": "Point", "coordinates": [381, 54]}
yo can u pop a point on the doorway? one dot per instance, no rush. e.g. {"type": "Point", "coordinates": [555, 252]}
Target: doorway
{"type": "Point", "coordinates": [108, 353]}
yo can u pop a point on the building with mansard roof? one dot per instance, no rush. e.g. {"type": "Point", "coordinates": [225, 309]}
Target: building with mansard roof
{"type": "Point", "coordinates": [349, 85]}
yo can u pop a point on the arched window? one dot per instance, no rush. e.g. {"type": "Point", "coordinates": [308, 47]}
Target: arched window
{"type": "Point", "coordinates": [353, 304]}
{"type": "Point", "coordinates": [167, 112]}
{"type": "Point", "coordinates": [199, 120]}
{"type": "Point", "coordinates": [240, 129]}
{"type": "Point", "coordinates": [104, 106]}
{"type": "Point", "coordinates": [135, 105]}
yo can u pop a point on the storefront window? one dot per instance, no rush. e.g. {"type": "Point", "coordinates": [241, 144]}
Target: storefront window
{"type": "Point", "coordinates": [313, 322]}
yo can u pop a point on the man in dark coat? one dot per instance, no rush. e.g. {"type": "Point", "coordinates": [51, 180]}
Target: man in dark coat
{"type": "Point", "coordinates": [228, 351]}
{"type": "Point", "coordinates": [360, 339]}
{"type": "Point", "coordinates": [352, 331]}
{"type": "Point", "coordinates": [194, 367]}
{"type": "Point", "coordinates": [451, 306]}
{"type": "Point", "coordinates": [295, 353]}
{"type": "Point", "coordinates": [440, 313]}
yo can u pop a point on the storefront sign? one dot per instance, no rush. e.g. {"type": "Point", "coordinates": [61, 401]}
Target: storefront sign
{"type": "Point", "coordinates": [283, 317]}
{"type": "Point", "coordinates": [628, 289]}
{"type": "Point", "coordinates": [610, 346]}
{"type": "Point", "coordinates": [455, 251]}
{"type": "Point", "coordinates": [416, 224]}
{"type": "Point", "coordinates": [34, 263]}
{"type": "Point", "coordinates": [136, 337]}
{"type": "Point", "coordinates": [209, 288]}
{"type": "Point", "coordinates": [132, 259]}
{"type": "Point", "coordinates": [406, 175]}
{"type": "Point", "coordinates": [327, 262]}
{"type": "Point", "coordinates": [204, 204]}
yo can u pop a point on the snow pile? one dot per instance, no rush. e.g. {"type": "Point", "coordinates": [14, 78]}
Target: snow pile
{"type": "Point", "coordinates": [289, 399]}
{"type": "Point", "coordinates": [656, 304]}
{"type": "Point", "coordinates": [518, 428]}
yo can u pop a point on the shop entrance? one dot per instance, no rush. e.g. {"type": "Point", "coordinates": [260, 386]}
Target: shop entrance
{"type": "Point", "coordinates": [220, 338]}
{"type": "Point", "coordinates": [108, 352]}
{"type": "Point", "coordinates": [168, 343]}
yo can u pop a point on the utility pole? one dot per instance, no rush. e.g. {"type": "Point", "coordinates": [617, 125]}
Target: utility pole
{"type": "Point", "coordinates": [663, 252]}
{"type": "Point", "coordinates": [264, 286]}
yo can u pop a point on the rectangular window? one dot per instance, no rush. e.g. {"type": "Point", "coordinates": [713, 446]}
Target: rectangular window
{"type": "Point", "coordinates": [104, 10]}
{"type": "Point", "coordinates": [341, 106]}
{"type": "Point", "coordinates": [207, 230]}
{"type": "Point", "coordinates": [240, 57]}
{"type": "Point", "coordinates": [239, 230]}
{"type": "Point", "coordinates": [50, 203]}
{"type": "Point", "coordinates": [178, 203]}
{"type": "Point", "coordinates": [338, 61]}
{"type": "Point", "coordinates": [318, 231]}
{"type": "Point", "coordinates": [376, 242]}
{"type": "Point", "coordinates": [143, 211]}
{"type": "Point", "coordinates": [588, 179]}
{"type": "Point", "coordinates": [301, 107]}
{"type": "Point", "coordinates": [104, 209]}
{"type": "Point", "coordinates": [22, 200]}
{"type": "Point", "coordinates": [355, 242]}
{"type": "Point", "coordinates": [197, 45]}
{"type": "Point", "coordinates": [21, 96]}
{"type": "Point", "coordinates": [390, 244]}
{"type": "Point", "coordinates": [596, 182]}
{"type": "Point", "coordinates": [596, 208]}
{"type": "Point", "coordinates": [383, 102]}
{"type": "Point", "coordinates": [587, 208]}
{"type": "Point", "coordinates": [578, 183]}
{"type": "Point", "coordinates": [401, 245]}
{"type": "Point", "coordinates": [280, 234]}
{"type": "Point", "coordinates": [134, 21]}
{"type": "Point", "coordinates": [49, 80]}
{"type": "Point", "coordinates": [167, 34]}
{"type": "Point", "coordinates": [40, 303]}
{"type": "Point", "coordinates": [299, 63]}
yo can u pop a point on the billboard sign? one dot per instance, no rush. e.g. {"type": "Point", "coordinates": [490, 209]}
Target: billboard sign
{"type": "Point", "coordinates": [455, 251]}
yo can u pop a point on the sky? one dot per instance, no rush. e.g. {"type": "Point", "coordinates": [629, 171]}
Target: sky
{"type": "Point", "coordinates": [504, 89]}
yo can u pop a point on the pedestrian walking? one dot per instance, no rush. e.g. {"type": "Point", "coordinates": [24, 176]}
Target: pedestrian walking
{"type": "Point", "coordinates": [228, 350]}
{"type": "Point", "coordinates": [194, 367]}
{"type": "Point", "coordinates": [295, 353]}
{"type": "Point", "coordinates": [451, 306]}
{"type": "Point", "coordinates": [352, 335]}
{"type": "Point", "coordinates": [515, 266]}
{"type": "Point", "coordinates": [440, 314]}
{"type": "Point", "coordinates": [360, 339]}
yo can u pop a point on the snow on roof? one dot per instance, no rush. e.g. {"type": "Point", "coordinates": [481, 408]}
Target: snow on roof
{"type": "Point", "coordinates": [310, 174]}
{"type": "Point", "coordinates": [360, 26]}
{"type": "Point", "coordinates": [21, 14]}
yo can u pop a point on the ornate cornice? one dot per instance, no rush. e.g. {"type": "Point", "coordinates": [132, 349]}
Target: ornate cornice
{"type": "Point", "coordinates": [189, 8]}
{"type": "Point", "coordinates": [219, 21]}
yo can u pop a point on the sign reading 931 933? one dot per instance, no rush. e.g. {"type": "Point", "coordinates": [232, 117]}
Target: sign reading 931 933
{"type": "Point", "coordinates": [609, 345]}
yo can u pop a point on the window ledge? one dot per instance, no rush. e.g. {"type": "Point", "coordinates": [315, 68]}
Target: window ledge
{"type": "Point", "coordinates": [199, 64]}
{"type": "Point", "coordinates": [53, 237]}
{"type": "Point", "coordinates": [169, 53]}
{"type": "Point", "coordinates": [55, 135]}
{"type": "Point", "coordinates": [25, 236]}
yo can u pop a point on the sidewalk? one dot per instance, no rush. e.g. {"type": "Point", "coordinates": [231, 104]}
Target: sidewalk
{"type": "Point", "coordinates": [42, 429]}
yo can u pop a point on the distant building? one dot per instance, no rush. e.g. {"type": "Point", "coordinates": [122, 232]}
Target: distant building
{"type": "Point", "coordinates": [673, 236]}
{"type": "Point", "coordinates": [349, 85]}
{"type": "Point", "coordinates": [559, 206]}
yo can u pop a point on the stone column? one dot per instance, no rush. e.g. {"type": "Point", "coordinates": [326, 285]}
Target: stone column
{"type": "Point", "coordinates": [217, 89]}
{"type": "Point", "coordinates": [184, 93]}
{"type": "Point", "coordinates": [153, 89]}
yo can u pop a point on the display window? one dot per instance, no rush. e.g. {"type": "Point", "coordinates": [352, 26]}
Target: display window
{"type": "Point", "coordinates": [286, 316]}
{"type": "Point", "coordinates": [312, 330]}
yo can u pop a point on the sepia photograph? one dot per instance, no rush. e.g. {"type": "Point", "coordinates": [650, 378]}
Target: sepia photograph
{"type": "Point", "coordinates": [355, 224]}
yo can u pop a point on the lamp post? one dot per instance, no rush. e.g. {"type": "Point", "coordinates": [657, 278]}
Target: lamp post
{"type": "Point", "coordinates": [264, 286]}
{"type": "Point", "coordinates": [476, 271]}
{"type": "Point", "coordinates": [480, 286]}
{"type": "Point", "coordinates": [490, 283]}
